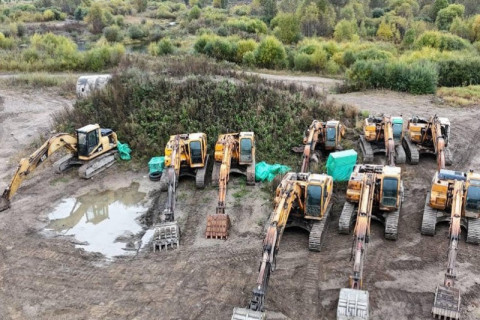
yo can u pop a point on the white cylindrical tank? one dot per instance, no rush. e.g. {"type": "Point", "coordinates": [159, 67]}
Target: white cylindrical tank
{"type": "Point", "coordinates": [87, 84]}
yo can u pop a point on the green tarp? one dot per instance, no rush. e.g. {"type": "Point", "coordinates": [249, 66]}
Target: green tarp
{"type": "Point", "coordinates": [156, 164]}
{"type": "Point", "coordinates": [124, 151]}
{"type": "Point", "coordinates": [267, 172]}
{"type": "Point", "coordinates": [340, 164]}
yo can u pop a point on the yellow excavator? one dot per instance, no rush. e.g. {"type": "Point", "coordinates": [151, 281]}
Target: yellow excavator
{"type": "Point", "coordinates": [92, 148]}
{"type": "Point", "coordinates": [185, 155]}
{"type": "Point", "coordinates": [373, 192]}
{"type": "Point", "coordinates": [454, 197]}
{"type": "Point", "coordinates": [234, 152]}
{"type": "Point", "coordinates": [302, 200]}
{"type": "Point", "coordinates": [428, 137]}
{"type": "Point", "coordinates": [325, 136]}
{"type": "Point", "coordinates": [383, 134]}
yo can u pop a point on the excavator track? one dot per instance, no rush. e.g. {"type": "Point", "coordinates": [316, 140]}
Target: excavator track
{"type": "Point", "coordinates": [391, 224]}
{"type": "Point", "coordinates": [400, 155]}
{"type": "Point", "coordinates": [367, 150]}
{"type": "Point", "coordinates": [64, 163]}
{"type": "Point", "coordinates": [447, 303]}
{"type": "Point", "coordinates": [166, 235]}
{"type": "Point", "coordinates": [251, 174]}
{"type": "Point", "coordinates": [473, 231]}
{"type": "Point", "coordinates": [216, 173]}
{"type": "Point", "coordinates": [411, 150]}
{"type": "Point", "coordinates": [429, 220]}
{"type": "Point", "coordinates": [346, 218]}
{"type": "Point", "coordinates": [448, 157]}
{"type": "Point", "coordinates": [97, 165]}
{"type": "Point", "coordinates": [201, 174]}
{"type": "Point", "coordinates": [317, 233]}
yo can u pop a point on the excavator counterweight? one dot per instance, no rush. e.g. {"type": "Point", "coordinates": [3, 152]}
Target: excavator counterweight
{"type": "Point", "coordinates": [302, 200]}
{"type": "Point", "coordinates": [234, 152]}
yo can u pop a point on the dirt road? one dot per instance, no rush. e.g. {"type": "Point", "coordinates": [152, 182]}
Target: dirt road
{"type": "Point", "coordinates": [47, 278]}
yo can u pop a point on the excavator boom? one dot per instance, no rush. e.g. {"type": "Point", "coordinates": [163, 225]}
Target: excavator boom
{"type": "Point", "coordinates": [28, 165]}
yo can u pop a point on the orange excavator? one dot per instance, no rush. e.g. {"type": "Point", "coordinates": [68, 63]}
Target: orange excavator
{"type": "Point", "coordinates": [325, 136]}
{"type": "Point", "coordinates": [459, 193]}
{"type": "Point", "coordinates": [383, 135]}
{"type": "Point", "coordinates": [303, 200]}
{"type": "Point", "coordinates": [428, 137]}
{"type": "Point", "coordinates": [234, 152]}
{"type": "Point", "coordinates": [378, 192]}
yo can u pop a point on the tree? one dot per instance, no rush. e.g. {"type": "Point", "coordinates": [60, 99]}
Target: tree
{"type": "Point", "coordinates": [437, 6]}
{"type": "Point", "coordinates": [95, 18]}
{"type": "Point", "coordinates": [475, 32]}
{"type": "Point", "coordinates": [286, 27]}
{"type": "Point", "coordinates": [384, 31]}
{"type": "Point", "coordinates": [345, 31]}
{"type": "Point", "coordinates": [270, 53]}
{"type": "Point", "coordinates": [445, 16]}
{"type": "Point", "coordinates": [269, 9]}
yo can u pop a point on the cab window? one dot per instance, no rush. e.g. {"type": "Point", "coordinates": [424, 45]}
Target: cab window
{"type": "Point", "coordinates": [397, 130]}
{"type": "Point", "coordinates": [314, 197]}
{"type": "Point", "coordinates": [245, 150]}
{"type": "Point", "coordinates": [331, 134]}
{"type": "Point", "coordinates": [473, 199]}
{"type": "Point", "coordinates": [390, 186]}
{"type": "Point", "coordinates": [196, 151]}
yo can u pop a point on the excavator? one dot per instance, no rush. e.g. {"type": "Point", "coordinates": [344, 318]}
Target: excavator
{"type": "Point", "coordinates": [383, 134]}
{"type": "Point", "coordinates": [91, 148]}
{"type": "Point", "coordinates": [428, 137]}
{"type": "Point", "coordinates": [185, 155]}
{"type": "Point", "coordinates": [374, 192]}
{"type": "Point", "coordinates": [459, 193]}
{"type": "Point", "coordinates": [302, 200]}
{"type": "Point", "coordinates": [234, 152]}
{"type": "Point", "coordinates": [320, 136]}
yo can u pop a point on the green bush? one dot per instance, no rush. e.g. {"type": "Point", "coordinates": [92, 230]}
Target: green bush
{"type": "Point", "coordinates": [194, 13]}
{"type": "Point", "coordinates": [135, 32]}
{"type": "Point", "coordinates": [244, 46]}
{"type": "Point", "coordinates": [286, 27]}
{"type": "Point", "coordinates": [441, 41]}
{"type": "Point", "coordinates": [247, 24]}
{"type": "Point", "coordinates": [163, 47]}
{"type": "Point", "coordinates": [165, 12]}
{"type": "Point", "coordinates": [345, 30]}
{"type": "Point", "coordinates": [103, 56]}
{"type": "Point", "coordinates": [459, 72]}
{"type": "Point", "coordinates": [221, 48]}
{"type": "Point", "coordinates": [112, 33]}
{"type": "Point", "coordinates": [249, 59]}
{"type": "Point", "coordinates": [378, 12]}
{"type": "Point", "coordinates": [6, 43]}
{"type": "Point", "coordinates": [303, 62]}
{"type": "Point", "coordinates": [446, 15]}
{"type": "Point", "coordinates": [270, 53]}
{"type": "Point", "coordinates": [416, 78]}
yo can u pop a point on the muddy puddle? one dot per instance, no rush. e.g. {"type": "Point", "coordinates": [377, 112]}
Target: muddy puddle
{"type": "Point", "coordinates": [104, 222]}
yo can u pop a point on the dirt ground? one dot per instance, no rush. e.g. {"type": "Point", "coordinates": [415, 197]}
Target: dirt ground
{"type": "Point", "coordinates": [45, 277]}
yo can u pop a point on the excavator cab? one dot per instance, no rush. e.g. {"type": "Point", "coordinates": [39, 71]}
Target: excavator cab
{"type": "Point", "coordinates": [247, 148]}
{"type": "Point", "coordinates": [319, 189]}
{"type": "Point", "coordinates": [197, 148]}
{"type": "Point", "coordinates": [472, 201]}
{"type": "Point", "coordinates": [391, 188]}
{"type": "Point", "coordinates": [397, 125]}
{"type": "Point", "coordinates": [333, 134]}
{"type": "Point", "coordinates": [91, 139]}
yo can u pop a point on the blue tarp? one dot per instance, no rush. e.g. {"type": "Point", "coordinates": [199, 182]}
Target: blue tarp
{"type": "Point", "coordinates": [267, 172]}
{"type": "Point", "coordinates": [156, 164]}
{"type": "Point", "coordinates": [340, 164]}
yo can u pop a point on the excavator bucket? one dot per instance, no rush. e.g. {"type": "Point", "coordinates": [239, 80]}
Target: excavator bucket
{"type": "Point", "coordinates": [4, 204]}
{"type": "Point", "coordinates": [166, 235]}
{"type": "Point", "coordinates": [217, 226]}
{"type": "Point", "coordinates": [447, 303]}
{"type": "Point", "coordinates": [247, 314]}
{"type": "Point", "coordinates": [352, 305]}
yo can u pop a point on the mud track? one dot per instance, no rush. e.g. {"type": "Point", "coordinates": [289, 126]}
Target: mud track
{"type": "Point", "coordinates": [47, 278]}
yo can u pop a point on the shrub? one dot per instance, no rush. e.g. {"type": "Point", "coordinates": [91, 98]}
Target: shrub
{"type": "Point", "coordinates": [103, 56]}
{"type": "Point", "coordinates": [6, 43]}
{"type": "Point", "coordinates": [249, 59]}
{"type": "Point", "coordinates": [241, 10]}
{"type": "Point", "coordinates": [244, 46]}
{"type": "Point", "coordinates": [416, 78]}
{"type": "Point", "coordinates": [286, 27]}
{"type": "Point", "coordinates": [95, 18]}
{"type": "Point", "coordinates": [194, 13]}
{"type": "Point", "coordinates": [385, 31]}
{"type": "Point", "coordinates": [247, 24]}
{"type": "Point", "coordinates": [319, 59]}
{"type": "Point", "coordinates": [345, 31]}
{"type": "Point", "coordinates": [221, 48]}
{"type": "Point", "coordinates": [303, 62]}
{"type": "Point", "coordinates": [135, 32]}
{"type": "Point", "coordinates": [163, 47]}
{"type": "Point", "coordinates": [112, 34]}
{"type": "Point", "coordinates": [446, 15]}
{"type": "Point", "coordinates": [332, 67]}
{"type": "Point", "coordinates": [378, 12]}
{"type": "Point", "coordinates": [459, 71]}
{"type": "Point", "coordinates": [48, 15]}
{"type": "Point", "coordinates": [270, 53]}
{"type": "Point", "coordinates": [165, 12]}
{"type": "Point", "coordinates": [441, 41]}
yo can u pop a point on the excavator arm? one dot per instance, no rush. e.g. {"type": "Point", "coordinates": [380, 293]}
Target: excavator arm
{"type": "Point", "coordinates": [289, 194]}
{"type": "Point", "coordinates": [310, 142]}
{"type": "Point", "coordinates": [439, 142]}
{"type": "Point", "coordinates": [28, 165]}
{"type": "Point", "coordinates": [447, 297]}
{"type": "Point", "coordinates": [389, 141]}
